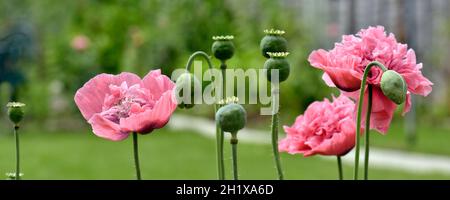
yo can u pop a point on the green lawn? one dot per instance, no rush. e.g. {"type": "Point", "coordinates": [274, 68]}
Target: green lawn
{"type": "Point", "coordinates": [165, 154]}
{"type": "Point", "coordinates": [430, 139]}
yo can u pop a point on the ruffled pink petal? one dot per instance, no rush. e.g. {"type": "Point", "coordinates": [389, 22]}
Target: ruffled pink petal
{"type": "Point", "coordinates": [90, 97]}
{"type": "Point", "coordinates": [339, 143]}
{"type": "Point", "coordinates": [319, 58]}
{"type": "Point", "coordinates": [106, 129]}
{"type": "Point", "coordinates": [408, 103]}
{"type": "Point", "coordinates": [417, 83]}
{"type": "Point", "coordinates": [343, 79]}
{"type": "Point", "coordinates": [147, 121]}
{"type": "Point", "coordinates": [293, 143]}
{"type": "Point", "coordinates": [328, 80]}
{"type": "Point", "coordinates": [157, 84]}
{"type": "Point", "coordinates": [129, 78]}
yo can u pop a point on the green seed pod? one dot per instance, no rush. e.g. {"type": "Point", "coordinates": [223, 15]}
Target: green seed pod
{"type": "Point", "coordinates": [231, 117]}
{"type": "Point", "coordinates": [273, 42]}
{"type": "Point", "coordinates": [15, 111]}
{"type": "Point", "coordinates": [393, 86]}
{"type": "Point", "coordinates": [223, 47]}
{"type": "Point", "coordinates": [188, 90]}
{"type": "Point", "coordinates": [277, 61]}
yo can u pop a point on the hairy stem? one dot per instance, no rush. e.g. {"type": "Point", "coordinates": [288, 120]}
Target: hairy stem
{"type": "Point", "coordinates": [276, 154]}
{"type": "Point", "coordinates": [367, 144]}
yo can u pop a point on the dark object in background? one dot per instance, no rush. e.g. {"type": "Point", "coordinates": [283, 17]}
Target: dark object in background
{"type": "Point", "coordinates": [13, 47]}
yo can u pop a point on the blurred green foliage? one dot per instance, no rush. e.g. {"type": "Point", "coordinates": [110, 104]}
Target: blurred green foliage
{"type": "Point", "coordinates": [138, 36]}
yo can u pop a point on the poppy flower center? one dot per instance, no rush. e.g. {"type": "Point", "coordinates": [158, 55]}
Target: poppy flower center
{"type": "Point", "coordinates": [124, 101]}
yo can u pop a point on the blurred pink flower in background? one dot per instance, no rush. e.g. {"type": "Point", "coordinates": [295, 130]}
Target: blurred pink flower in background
{"type": "Point", "coordinates": [80, 42]}
{"type": "Point", "coordinates": [344, 68]}
{"type": "Point", "coordinates": [116, 105]}
{"type": "Point", "coordinates": [326, 128]}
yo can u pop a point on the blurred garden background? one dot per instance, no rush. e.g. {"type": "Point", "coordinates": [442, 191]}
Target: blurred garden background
{"type": "Point", "coordinates": [49, 49]}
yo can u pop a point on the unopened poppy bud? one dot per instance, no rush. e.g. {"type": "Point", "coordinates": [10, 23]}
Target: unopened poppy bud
{"type": "Point", "coordinates": [393, 86]}
{"type": "Point", "coordinates": [15, 111]}
{"type": "Point", "coordinates": [273, 42]}
{"type": "Point", "coordinates": [231, 117]}
{"type": "Point", "coordinates": [223, 47]}
{"type": "Point", "coordinates": [188, 90]}
{"type": "Point", "coordinates": [277, 61]}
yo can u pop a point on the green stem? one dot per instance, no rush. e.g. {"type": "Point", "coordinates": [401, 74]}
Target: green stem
{"type": "Point", "coordinates": [358, 118]}
{"type": "Point", "coordinates": [16, 134]}
{"type": "Point", "coordinates": [341, 177]}
{"type": "Point", "coordinates": [234, 142]}
{"type": "Point", "coordinates": [136, 156]}
{"type": "Point", "coordinates": [276, 154]}
{"type": "Point", "coordinates": [219, 132]}
{"type": "Point", "coordinates": [367, 144]}
{"type": "Point", "coordinates": [223, 68]}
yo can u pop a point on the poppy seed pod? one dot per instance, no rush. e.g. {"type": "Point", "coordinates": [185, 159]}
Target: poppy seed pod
{"type": "Point", "coordinates": [273, 42]}
{"type": "Point", "coordinates": [393, 86]}
{"type": "Point", "coordinates": [15, 111]}
{"type": "Point", "coordinates": [277, 61]}
{"type": "Point", "coordinates": [223, 47]}
{"type": "Point", "coordinates": [231, 117]}
{"type": "Point", "coordinates": [188, 90]}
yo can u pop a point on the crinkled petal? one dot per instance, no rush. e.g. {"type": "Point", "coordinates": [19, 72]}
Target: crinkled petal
{"type": "Point", "coordinates": [91, 96]}
{"type": "Point", "coordinates": [106, 129]}
{"type": "Point", "coordinates": [147, 121]}
{"type": "Point", "coordinates": [157, 83]}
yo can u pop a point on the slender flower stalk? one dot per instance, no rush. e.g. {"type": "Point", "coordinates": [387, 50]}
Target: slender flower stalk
{"type": "Point", "coordinates": [358, 118]}
{"type": "Point", "coordinates": [367, 136]}
{"type": "Point", "coordinates": [339, 163]}
{"type": "Point", "coordinates": [234, 142]}
{"type": "Point", "coordinates": [136, 156]}
{"type": "Point", "coordinates": [276, 154]}
{"type": "Point", "coordinates": [219, 132]}
{"type": "Point", "coordinates": [277, 63]}
{"type": "Point", "coordinates": [16, 134]}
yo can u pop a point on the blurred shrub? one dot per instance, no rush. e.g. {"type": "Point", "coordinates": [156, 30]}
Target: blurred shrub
{"type": "Point", "coordinates": [141, 35]}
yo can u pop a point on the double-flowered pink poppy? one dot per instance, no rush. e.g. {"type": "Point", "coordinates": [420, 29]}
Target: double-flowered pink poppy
{"type": "Point", "coordinates": [326, 128]}
{"type": "Point", "coordinates": [117, 105]}
{"type": "Point", "coordinates": [345, 64]}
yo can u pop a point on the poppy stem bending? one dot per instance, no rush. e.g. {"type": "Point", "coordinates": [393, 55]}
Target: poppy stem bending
{"type": "Point", "coordinates": [367, 136]}
{"type": "Point", "coordinates": [233, 142]}
{"type": "Point", "coordinates": [219, 132]}
{"type": "Point", "coordinates": [136, 156]}
{"type": "Point", "coordinates": [276, 154]}
{"type": "Point", "coordinates": [341, 177]}
{"type": "Point", "coordinates": [16, 134]}
{"type": "Point", "coordinates": [358, 118]}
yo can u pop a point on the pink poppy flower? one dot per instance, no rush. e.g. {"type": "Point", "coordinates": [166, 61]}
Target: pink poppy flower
{"type": "Point", "coordinates": [116, 105]}
{"type": "Point", "coordinates": [326, 128]}
{"type": "Point", "coordinates": [344, 68]}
